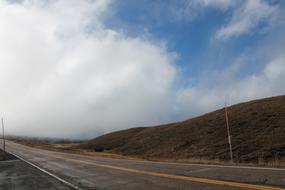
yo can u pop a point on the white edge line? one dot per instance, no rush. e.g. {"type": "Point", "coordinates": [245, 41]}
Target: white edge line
{"type": "Point", "coordinates": [48, 173]}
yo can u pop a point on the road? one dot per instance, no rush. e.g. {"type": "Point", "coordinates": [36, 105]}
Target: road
{"type": "Point", "coordinates": [18, 175]}
{"type": "Point", "coordinates": [116, 174]}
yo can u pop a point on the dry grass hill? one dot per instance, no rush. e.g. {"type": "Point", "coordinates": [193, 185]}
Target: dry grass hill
{"type": "Point", "coordinates": [257, 128]}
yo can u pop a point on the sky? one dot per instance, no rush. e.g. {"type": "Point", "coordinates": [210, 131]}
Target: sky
{"type": "Point", "coordinates": [79, 69]}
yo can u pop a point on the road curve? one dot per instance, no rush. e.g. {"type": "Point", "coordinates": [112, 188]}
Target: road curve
{"type": "Point", "coordinates": [116, 174]}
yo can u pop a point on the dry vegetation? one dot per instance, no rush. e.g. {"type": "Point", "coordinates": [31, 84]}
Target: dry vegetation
{"type": "Point", "coordinates": [62, 145]}
{"type": "Point", "coordinates": [55, 144]}
{"type": "Point", "coordinates": [257, 128]}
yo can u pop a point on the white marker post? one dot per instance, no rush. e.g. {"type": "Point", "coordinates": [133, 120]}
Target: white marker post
{"type": "Point", "coordinates": [3, 134]}
{"type": "Point", "coordinates": [228, 129]}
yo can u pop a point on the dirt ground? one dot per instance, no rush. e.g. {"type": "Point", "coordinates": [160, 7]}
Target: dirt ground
{"type": "Point", "coordinates": [5, 156]}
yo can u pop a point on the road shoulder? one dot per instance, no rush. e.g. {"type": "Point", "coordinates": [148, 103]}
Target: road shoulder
{"type": "Point", "coordinates": [16, 174]}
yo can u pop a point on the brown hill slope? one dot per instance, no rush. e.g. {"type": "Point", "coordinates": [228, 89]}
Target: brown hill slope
{"type": "Point", "coordinates": [257, 128]}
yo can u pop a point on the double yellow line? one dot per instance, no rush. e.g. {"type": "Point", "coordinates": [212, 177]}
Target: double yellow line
{"type": "Point", "coordinates": [177, 177]}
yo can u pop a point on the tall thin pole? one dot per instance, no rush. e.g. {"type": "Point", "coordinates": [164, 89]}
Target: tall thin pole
{"type": "Point", "coordinates": [228, 129]}
{"type": "Point", "coordinates": [3, 134]}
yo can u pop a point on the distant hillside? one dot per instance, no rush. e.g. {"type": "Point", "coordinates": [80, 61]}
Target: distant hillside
{"type": "Point", "coordinates": [257, 128]}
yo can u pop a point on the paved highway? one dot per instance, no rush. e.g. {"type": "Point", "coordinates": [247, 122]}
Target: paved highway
{"type": "Point", "coordinates": [116, 174]}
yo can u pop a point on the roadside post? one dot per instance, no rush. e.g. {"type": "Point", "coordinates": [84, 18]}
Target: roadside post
{"type": "Point", "coordinates": [228, 131]}
{"type": "Point", "coordinates": [3, 135]}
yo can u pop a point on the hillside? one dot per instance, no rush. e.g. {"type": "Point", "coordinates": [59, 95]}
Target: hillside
{"type": "Point", "coordinates": [257, 128]}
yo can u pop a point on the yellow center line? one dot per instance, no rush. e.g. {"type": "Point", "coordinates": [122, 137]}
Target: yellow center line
{"type": "Point", "coordinates": [178, 177]}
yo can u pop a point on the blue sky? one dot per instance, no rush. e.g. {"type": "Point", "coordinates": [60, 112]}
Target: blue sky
{"type": "Point", "coordinates": [206, 61]}
{"type": "Point", "coordinates": [93, 66]}
{"type": "Point", "coordinates": [192, 37]}
{"type": "Point", "coordinates": [188, 37]}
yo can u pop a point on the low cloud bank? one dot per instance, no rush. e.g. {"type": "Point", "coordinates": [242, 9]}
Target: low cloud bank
{"type": "Point", "coordinates": [63, 73]}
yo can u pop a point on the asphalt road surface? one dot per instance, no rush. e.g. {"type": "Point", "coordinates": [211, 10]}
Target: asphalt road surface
{"type": "Point", "coordinates": [18, 175]}
{"type": "Point", "coordinates": [116, 174]}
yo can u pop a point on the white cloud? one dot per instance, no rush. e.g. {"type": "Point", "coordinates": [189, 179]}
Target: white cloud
{"type": "Point", "coordinates": [211, 95]}
{"type": "Point", "coordinates": [222, 4]}
{"type": "Point", "coordinates": [246, 17]}
{"type": "Point", "coordinates": [257, 72]}
{"type": "Point", "coordinates": [64, 74]}
{"type": "Point", "coordinates": [187, 10]}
